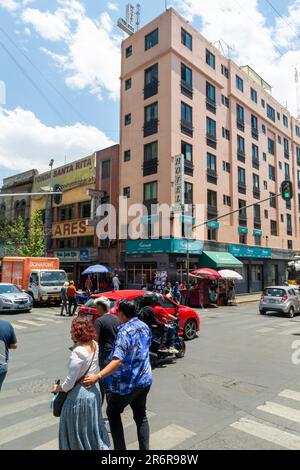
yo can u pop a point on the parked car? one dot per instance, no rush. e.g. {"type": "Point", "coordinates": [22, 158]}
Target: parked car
{"type": "Point", "coordinates": [13, 299]}
{"type": "Point", "coordinates": [189, 319]}
{"type": "Point", "coordinates": [282, 299]}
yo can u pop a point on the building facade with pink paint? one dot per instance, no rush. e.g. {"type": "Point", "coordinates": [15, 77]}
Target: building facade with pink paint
{"type": "Point", "coordinates": [180, 95]}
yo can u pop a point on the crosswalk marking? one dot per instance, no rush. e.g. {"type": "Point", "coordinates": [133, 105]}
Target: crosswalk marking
{"type": "Point", "coordinates": [51, 445]}
{"type": "Point", "coordinates": [291, 394]}
{"type": "Point", "coordinates": [30, 322]}
{"type": "Point", "coordinates": [9, 394]}
{"type": "Point", "coordinates": [29, 374]}
{"type": "Point", "coordinates": [290, 331]}
{"type": "Point", "coordinates": [281, 411]}
{"type": "Point", "coordinates": [269, 433]}
{"type": "Point", "coordinates": [265, 330]}
{"type": "Point", "coordinates": [16, 431]}
{"type": "Point", "coordinates": [23, 405]}
{"type": "Point", "coordinates": [18, 327]}
{"type": "Point", "coordinates": [50, 320]}
{"type": "Point", "coordinates": [166, 438]}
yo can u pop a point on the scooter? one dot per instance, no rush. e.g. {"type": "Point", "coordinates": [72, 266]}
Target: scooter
{"type": "Point", "coordinates": [157, 356]}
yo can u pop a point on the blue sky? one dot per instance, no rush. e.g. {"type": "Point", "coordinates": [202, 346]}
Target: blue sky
{"type": "Point", "coordinates": [76, 44]}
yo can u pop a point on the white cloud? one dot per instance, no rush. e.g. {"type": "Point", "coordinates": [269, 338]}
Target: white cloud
{"type": "Point", "coordinates": [113, 6]}
{"type": "Point", "coordinates": [9, 5]}
{"type": "Point", "coordinates": [243, 26]}
{"type": "Point", "coordinates": [50, 26]}
{"type": "Point", "coordinates": [25, 142]}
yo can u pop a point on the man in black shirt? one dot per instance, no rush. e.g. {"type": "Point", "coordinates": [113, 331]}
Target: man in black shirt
{"type": "Point", "coordinates": [106, 328]}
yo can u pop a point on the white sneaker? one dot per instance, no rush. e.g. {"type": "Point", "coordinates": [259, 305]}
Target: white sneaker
{"type": "Point", "coordinates": [173, 350]}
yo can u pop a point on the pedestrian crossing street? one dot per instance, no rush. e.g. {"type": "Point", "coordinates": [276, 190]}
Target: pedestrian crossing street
{"type": "Point", "coordinates": [272, 425]}
{"type": "Point", "coordinates": [258, 325]}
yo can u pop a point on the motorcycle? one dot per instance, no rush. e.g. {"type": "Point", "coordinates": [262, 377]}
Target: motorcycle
{"type": "Point", "coordinates": [160, 356]}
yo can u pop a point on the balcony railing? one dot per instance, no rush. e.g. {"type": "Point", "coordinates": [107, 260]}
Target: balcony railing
{"type": "Point", "coordinates": [150, 127]}
{"type": "Point", "coordinates": [241, 156]}
{"type": "Point", "coordinates": [240, 124]}
{"type": "Point", "coordinates": [150, 167]}
{"type": "Point", "coordinates": [242, 188]}
{"type": "Point", "coordinates": [212, 176]}
{"type": "Point", "coordinates": [243, 222]}
{"type": "Point", "coordinates": [255, 163]}
{"type": "Point", "coordinates": [257, 223]}
{"type": "Point", "coordinates": [187, 128]}
{"type": "Point", "coordinates": [186, 89]}
{"type": "Point", "coordinates": [255, 134]}
{"type": "Point", "coordinates": [286, 154]}
{"type": "Point", "coordinates": [211, 105]}
{"type": "Point", "coordinates": [212, 212]}
{"type": "Point", "coordinates": [188, 168]}
{"type": "Point", "coordinates": [256, 193]}
{"type": "Point", "coordinates": [211, 140]}
{"type": "Point", "coordinates": [151, 89]}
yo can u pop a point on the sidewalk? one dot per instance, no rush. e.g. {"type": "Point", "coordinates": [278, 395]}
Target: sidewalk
{"type": "Point", "coordinates": [247, 298]}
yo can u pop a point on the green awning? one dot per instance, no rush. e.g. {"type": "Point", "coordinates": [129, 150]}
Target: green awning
{"type": "Point", "coordinates": [216, 259]}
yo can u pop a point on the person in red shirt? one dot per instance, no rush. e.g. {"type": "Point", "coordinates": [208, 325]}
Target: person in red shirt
{"type": "Point", "coordinates": [165, 317]}
{"type": "Point", "coordinates": [71, 294]}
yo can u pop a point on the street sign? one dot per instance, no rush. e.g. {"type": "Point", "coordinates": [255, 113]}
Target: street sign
{"type": "Point", "coordinates": [179, 180]}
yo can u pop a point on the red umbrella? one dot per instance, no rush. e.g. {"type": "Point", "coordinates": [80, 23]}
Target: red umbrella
{"type": "Point", "coordinates": [206, 273]}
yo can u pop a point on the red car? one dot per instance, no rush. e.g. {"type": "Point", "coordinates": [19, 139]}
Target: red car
{"type": "Point", "coordinates": [189, 319]}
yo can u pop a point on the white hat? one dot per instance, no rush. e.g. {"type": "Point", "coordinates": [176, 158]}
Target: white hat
{"type": "Point", "coordinates": [103, 301]}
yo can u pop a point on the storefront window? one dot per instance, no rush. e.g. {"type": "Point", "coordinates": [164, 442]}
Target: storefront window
{"type": "Point", "coordinates": [141, 273]}
{"type": "Point", "coordinates": [257, 272]}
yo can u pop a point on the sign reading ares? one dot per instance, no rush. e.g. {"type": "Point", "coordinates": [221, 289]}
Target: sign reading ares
{"type": "Point", "coordinates": [74, 228]}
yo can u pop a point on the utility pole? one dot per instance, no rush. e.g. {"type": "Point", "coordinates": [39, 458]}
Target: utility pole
{"type": "Point", "coordinates": [48, 212]}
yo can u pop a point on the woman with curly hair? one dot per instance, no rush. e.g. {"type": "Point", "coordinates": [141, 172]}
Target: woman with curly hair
{"type": "Point", "coordinates": [81, 424]}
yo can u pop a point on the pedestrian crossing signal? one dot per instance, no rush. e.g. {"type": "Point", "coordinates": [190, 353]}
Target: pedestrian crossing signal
{"type": "Point", "coordinates": [287, 190]}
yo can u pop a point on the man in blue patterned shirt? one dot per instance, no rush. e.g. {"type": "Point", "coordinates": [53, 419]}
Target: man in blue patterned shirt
{"type": "Point", "coordinates": [128, 376]}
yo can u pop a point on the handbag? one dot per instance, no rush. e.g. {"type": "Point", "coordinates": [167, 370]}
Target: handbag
{"type": "Point", "coordinates": [60, 397]}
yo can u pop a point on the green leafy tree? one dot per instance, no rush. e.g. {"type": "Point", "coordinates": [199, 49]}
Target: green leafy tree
{"type": "Point", "coordinates": [35, 244]}
{"type": "Point", "coordinates": [13, 237]}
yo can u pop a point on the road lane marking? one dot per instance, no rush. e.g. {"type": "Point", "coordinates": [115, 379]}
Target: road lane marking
{"type": "Point", "coordinates": [24, 405]}
{"type": "Point", "coordinates": [265, 330]}
{"type": "Point", "coordinates": [18, 327]}
{"type": "Point", "coordinates": [289, 331]}
{"type": "Point", "coordinates": [51, 445]}
{"type": "Point", "coordinates": [282, 411]}
{"type": "Point", "coordinates": [16, 431]}
{"type": "Point", "coordinates": [166, 438]}
{"type": "Point", "coordinates": [32, 323]}
{"type": "Point", "coordinates": [291, 394]}
{"type": "Point", "coordinates": [268, 433]}
{"type": "Point", "coordinates": [50, 320]}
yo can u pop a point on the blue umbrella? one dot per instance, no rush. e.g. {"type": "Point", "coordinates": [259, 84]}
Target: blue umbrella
{"type": "Point", "coordinates": [98, 268]}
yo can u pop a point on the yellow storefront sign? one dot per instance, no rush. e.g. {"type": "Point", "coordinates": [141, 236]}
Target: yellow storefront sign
{"type": "Point", "coordinates": [72, 228]}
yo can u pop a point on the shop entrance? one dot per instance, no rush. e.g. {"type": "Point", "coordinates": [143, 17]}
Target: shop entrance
{"type": "Point", "coordinates": [257, 276]}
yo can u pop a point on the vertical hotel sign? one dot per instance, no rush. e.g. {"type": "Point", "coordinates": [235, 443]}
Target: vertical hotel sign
{"type": "Point", "coordinates": [179, 181]}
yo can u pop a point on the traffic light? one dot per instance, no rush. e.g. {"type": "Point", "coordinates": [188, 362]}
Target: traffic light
{"type": "Point", "coordinates": [57, 198]}
{"type": "Point", "coordinates": [287, 190]}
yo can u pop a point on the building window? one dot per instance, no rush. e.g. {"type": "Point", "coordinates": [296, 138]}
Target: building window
{"type": "Point", "coordinates": [128, 84]}
{"type": "Point", "coordinates": [257, 240]}
{"type": "Point", "coordinates": [212, 234]}
{"type": "Point", "coordinates": [151, 39]}
{"type": "Point", "coordinates": [210, 97]}
{"type": "Point", "coordinates": [287, 170]}
{"type": "Point", "coordinates": [241, 148]}
{"type": "Point", "coordinates": [241, 175]}
{"type": "Point", "coordinates": [272, 173]}
{"type": "Point", "coordinates": [187, 151]}
{"type": "Point", "coordinates": [264, 157]}
{"type": "Point", "coordinates": [211, 162]}
{"type": "Point", "coordinates": [150, 151]}
{"type": "Point", "coordinates": [240, 117]}
{"type": "Point", "coordinates": [263, 103]}
{"type": "Point", "coordinates": [224, 71]}
{"type": "Point", "coordinates": [65, 213]}
{"type": "Point", "coordinates": [85, 242]}
{"type": "Point", "coordinates": [273, 200]}
{"type": "Point", "coordinates": [278, 116]}
{"type": "Point", "coordinates": [186, 119]}
{"type": "Point", "coordinates": [243, 239]}
{"type": "Point", "coordinates": [127, 119]}
{"type": "Point", "coordinates": [286, 148]}
{"type": "Point", "coordinates": [225, 101]}
{"type": "Point", "coordinates": [128, 51]}
{"type": "Point", "coordinates": [253, 95]}
{"type": "Point", "coordinates": [211, 128]}
{"type": "Point", "coordinates": [186, 39]}
{"type": "Point", "coordinates": [274, 231]}
{"type": "Point", "coordinates": [186, 81]}
{"type": "Point", "coordinates": [239, 83]}
{"type": "Point", "coordinates": [65, 243]}
{"type": "Point", "coordinates": [285, 121]}
{"type": "Point", "coordinates": [210, 59]}
{"type": "Point", "coordinates": [271, 146]}
{"type": "Point", "coordinates": [126, 192]}
{"type": "Point", "coordinates": [212, 200]}
{"type": "Point", "coordinates": [105, 173]}
{"type": "Point", "coordinates": [188, 193]}
{"type": "Point", "coordinates": [290, 244]}
{"type": "Point", "coordinates": [226, 167]}
{"type": "Point", "coordinates": [279, 140]}
{"type": "Point", "coordinates": [254, 122]}
{"type": "Point", "coordinates": [297, 131]}
{"type": "Point", "coordinates": [271, 113]}
{"type": "Point", "coordinates": [225, 133]}
{"type": "Point", "coordinates": [255, 156]}
{"type": "Point", "coordinates": [227, 200]}
{"type": "Point", "coordinates": [242, 213]}
{"type": "Point", "coordinates": [127, 155]}
{"type": "Point", "coordinates": [151, 81]}
{"type": "Point", "coordinates": [141, 274]}
{"type": "Point", "coordinates": [289, 224]}
{"type": "Point", "coordinates": [263, 128]}
{"type": "Point", "coordinates": [151, 119]}
{"type": "Point", "coordinates": [85, 210]}
{"type": "Point", "coordinates": [150, 191]}
{"type": "Point", "coordinates": [298, 155]}
{"type": "Point", "coordinates": [256, 182]}
{"type": "Point", "coordinates": [266, 212]}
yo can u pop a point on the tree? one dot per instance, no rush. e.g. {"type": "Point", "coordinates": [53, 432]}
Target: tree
{"type": "Point", "coordinates": [13, 237]}
{"type": "Point", "coordinates": [35, 244]}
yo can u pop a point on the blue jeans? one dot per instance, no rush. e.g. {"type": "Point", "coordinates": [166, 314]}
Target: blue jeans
{"type": "Point", "coordinates": [3, 372]}
{"type": "Point", "coordinates": [171, 336]}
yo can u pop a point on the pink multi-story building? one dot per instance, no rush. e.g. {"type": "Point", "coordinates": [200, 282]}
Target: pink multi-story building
{"type": "Point", "coordinates": [180, 95]}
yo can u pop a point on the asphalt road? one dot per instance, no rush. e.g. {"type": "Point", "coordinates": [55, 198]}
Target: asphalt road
{"type": "Point", "coordinates": [236, 388]}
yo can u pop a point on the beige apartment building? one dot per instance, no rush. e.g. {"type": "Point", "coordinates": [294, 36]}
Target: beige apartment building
{"type": "Point", "coordinates": [180, 95]}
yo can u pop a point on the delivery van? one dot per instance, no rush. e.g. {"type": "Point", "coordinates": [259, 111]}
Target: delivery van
{"type": "Point", "coordinates": [39, 277]}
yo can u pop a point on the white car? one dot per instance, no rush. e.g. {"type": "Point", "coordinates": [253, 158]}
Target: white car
{"type": "Point", "coordinates": [13, 299]}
